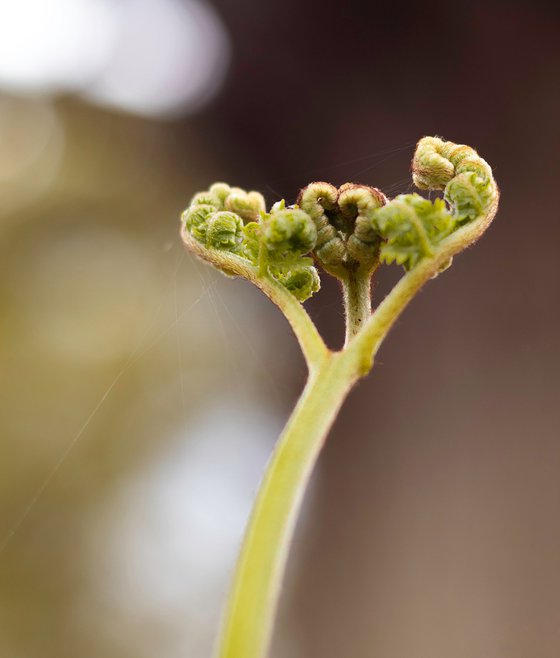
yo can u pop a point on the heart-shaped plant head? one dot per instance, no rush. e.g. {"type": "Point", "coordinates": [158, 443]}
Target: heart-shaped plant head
{"type": "Point", "coordinates": [348, 230]}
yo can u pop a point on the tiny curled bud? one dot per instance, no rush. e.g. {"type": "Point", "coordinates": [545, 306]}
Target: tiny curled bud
{"type": "Point", "coordinates": [359, 203]}
{"type": "Point", "coordinates": [248, 205]}
{"type": "Point", "coordinates": [318, 200]}
{"type": "Point", "coordinates": [224, 231]}
{"type": "Point", "coordinates": [412, 227]}
{"type": "Point", "coordinates": [302, 280]}
{"type": "Point", "coordinates": [196, 220]}
{"type": "Point", "coordinates": [466, 178]}
{"type": "Point", "coordinates": [220, 192]}
{"type": "Point", "coordinates": [430, 169]}
{"type": "Point", "coordinates": [345, 237]}
{"type": "Point", "coordinates": [289, 231]}
{"type": "Point", "coordinates": [436, 162]}
{"type": "Point", "coordinates": [287, 234]}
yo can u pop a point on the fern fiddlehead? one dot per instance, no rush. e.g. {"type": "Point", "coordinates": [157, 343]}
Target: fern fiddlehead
{"type": "Point", "coordinates": [349, 231]}
{"type": "Point", "coordinates": [235, 223]}
{"type": "Point", "coordinates": [413, 227]}
{"type": "Point", "coordinates": [345, 239]}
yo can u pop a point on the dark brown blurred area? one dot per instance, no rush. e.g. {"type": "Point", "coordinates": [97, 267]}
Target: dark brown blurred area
{"type": "Point", "coordinates": [141, 393]}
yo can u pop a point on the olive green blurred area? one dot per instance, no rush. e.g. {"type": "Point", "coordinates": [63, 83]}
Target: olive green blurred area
{"type": "Point", "coordinates": [141, 393]}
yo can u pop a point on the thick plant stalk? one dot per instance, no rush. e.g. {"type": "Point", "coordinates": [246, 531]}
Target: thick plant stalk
{"type": "Point", "coordinates": [254, 596]}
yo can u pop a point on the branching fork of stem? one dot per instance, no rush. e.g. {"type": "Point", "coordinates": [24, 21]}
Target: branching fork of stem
{"type": "Point", "coordinates": [251, 608]}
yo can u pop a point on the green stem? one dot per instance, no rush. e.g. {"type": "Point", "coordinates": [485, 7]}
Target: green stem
{"type": "Point", "coordinates": [252, 605]}
{"type": "Point", "coordinates": [254, 596]}
{"type": "Point", "coordinates": [311, 343]}
{"type": "Point", "coordinates": [366, 343]}
{"type": "Point", "coordinates": [356, 287]}
{"type": "Point", "coordinates": [310, 340]}
{"type": "Point", "coordinates": [369, 340]}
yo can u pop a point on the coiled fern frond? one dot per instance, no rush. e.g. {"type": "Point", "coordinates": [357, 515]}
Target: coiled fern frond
{"type": "Point", "coordinates": [235, 223]}
{"type": "Point", "coordinates": [412, 227]}
{"type": "Point", "coordinates": [345, 237]}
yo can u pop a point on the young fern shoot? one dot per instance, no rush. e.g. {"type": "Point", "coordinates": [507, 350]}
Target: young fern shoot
{"type": "Point", "coordinates": [348, 232]}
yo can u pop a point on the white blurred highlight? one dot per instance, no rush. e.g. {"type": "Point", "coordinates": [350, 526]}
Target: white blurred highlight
{"type": "Point", "coordinates": [150, 57]}
{"type": "Point", "coordinates": [168, 541]}
{"type": "Point", "coordinates": [47, 45]}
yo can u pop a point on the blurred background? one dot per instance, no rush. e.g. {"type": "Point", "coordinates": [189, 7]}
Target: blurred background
{"type": "Point", "coordinates": [141, 393]}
